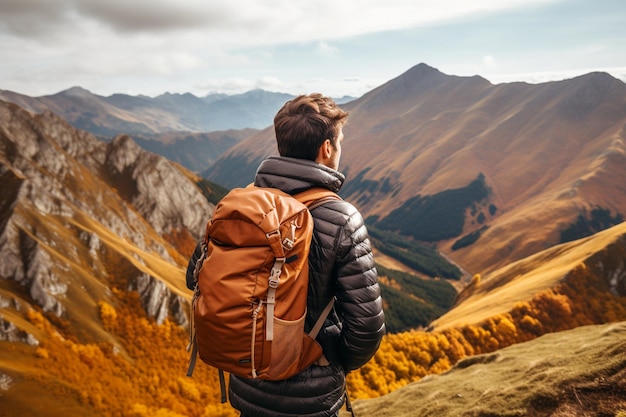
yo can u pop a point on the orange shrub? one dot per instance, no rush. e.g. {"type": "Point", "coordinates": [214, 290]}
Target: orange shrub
{"type": "Point", "coordinates": [580, 299]}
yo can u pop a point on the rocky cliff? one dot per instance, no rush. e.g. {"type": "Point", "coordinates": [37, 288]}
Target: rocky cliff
{"type": "Point", "coordinates": [80, 218]}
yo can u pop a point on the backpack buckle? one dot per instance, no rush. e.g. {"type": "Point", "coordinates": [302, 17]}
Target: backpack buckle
{"type": "Point", "coordinates": [275, 272]}
{"type": "Point", "coordinates": [274, 278]}
{"type": "Point", "coordinates": [288, 243]}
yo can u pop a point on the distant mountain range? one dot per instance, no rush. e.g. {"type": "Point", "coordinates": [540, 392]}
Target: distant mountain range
{"type": "Point", "coordinates": [194, 151]}
{"type": "Point", "coordinates": [193, 131]}
{"type": "Point", "coordinates": [141, 115]}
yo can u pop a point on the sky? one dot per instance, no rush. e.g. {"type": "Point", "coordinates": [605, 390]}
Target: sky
{"type": "Point", "coordinates": [336, 47]}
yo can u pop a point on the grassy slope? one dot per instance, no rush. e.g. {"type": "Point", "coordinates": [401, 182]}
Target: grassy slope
{"type": "Point", "coordinates": [571, 373]}
{"type": "Point", "coordinates": [520, 281]}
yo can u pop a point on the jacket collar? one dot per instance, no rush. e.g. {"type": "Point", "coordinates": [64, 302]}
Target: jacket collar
{"type": "Point", "coordinates": [293, 175]}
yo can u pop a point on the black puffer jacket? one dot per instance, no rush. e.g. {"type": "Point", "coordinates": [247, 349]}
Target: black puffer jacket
{"type": "Point", "coordinates": [341, 265]}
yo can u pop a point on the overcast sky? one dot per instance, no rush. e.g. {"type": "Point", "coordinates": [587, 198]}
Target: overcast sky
{"type": "Point", "coordinates": [337, 47]}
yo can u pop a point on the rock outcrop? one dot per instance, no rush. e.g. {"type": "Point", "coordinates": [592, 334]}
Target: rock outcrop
{"type": "Point", "coordinates": [77, 213]}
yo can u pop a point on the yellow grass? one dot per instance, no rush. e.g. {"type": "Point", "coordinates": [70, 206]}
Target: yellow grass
{"type": "Point", "coordinates": [501, 290]}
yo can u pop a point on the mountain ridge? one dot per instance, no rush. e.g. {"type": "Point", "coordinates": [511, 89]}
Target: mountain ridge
{"type": "Point", "coordinates": [519, 281]}
{"type": "Point", "coordinates": [548, 152]}
{"type": "Point", "coordinates": [168, 112]}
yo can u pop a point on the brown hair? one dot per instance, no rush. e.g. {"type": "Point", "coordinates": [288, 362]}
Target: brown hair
{"type": "Point", "coordinates": [304, 123]}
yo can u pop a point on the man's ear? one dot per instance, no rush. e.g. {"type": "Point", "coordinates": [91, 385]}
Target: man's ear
{"type": "Point", "coordinates": [325, 151]}
{"type": "Point", "coordinates": [328, 148]}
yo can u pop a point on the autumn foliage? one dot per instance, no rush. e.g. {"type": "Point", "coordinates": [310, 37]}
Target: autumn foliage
{"type": "Point", "coordinates": [580, 299]}
{"type": "Point", "coordinates": [143, 372]}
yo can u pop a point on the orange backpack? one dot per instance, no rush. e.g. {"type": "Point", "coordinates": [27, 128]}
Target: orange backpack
{"type": "Point", "coordinates": [249, 303]}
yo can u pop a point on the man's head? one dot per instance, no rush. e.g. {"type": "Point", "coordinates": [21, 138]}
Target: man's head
{"type": "Point", "coordinates": [311, 127]}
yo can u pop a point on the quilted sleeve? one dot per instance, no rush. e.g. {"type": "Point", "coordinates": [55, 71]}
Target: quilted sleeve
{"type": "Point", "coordinates": [358, 295]}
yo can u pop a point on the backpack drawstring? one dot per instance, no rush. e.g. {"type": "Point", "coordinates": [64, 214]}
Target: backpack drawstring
{"type": "Point", "coordinates": [255, 315]}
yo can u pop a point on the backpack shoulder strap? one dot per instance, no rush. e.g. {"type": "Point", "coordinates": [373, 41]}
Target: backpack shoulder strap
{"type": "Point", "coordinates": [314, 197]}
{"type": "Point", "coordinates": [320, 321]}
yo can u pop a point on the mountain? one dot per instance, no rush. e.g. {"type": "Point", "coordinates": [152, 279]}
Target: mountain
{"type": "Point", "coordinates": [489, 173]}
{"type": "Point", "coordinates": [115, 203]}
{"type": "Point", "coordinates": [142, 115]}
{"type": "Point", "coordinates": [194, 151]}
{"type": "Point", "coordinates": [76, 211]}
{"type": "Point", "coordinates": [95, 237]}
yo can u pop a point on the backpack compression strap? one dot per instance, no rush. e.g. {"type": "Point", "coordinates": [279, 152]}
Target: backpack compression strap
{"type": "Point", "coordinates": [275, 241]}
{"type": "Point", "coordinates": [311, 198]}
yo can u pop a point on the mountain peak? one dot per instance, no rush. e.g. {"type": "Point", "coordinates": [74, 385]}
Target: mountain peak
{"type": "Point", "coordinates": [417, 81]}
{"type": "Point", "coordinates": [76, 91]}
{"type": "Point", "coordinates": [426, 72]}
{"type": "Point", "coordinates": [422, 73]}
{"type": "Point", "coordinates": [424, 68]}
{"type": "Point", "coordinates": [602, 81]}
{"type": "Point", "coordinates": [599, 75]}
{"type": "Point", "coordinates": [125, 149]}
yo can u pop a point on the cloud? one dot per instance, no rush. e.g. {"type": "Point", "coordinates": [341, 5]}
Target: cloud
{"type": "Point", "coordinates": [26, 17]}
{"type": "Point", "coordinates": [242, 22]}
{"type": "Point", "coordinates": [148, 15]}
{"type": "Point", "coordinates": [538, 77]}
{"type": "Point", "coordinates": [489, 62]}
{"type": "Point", "coordinates": [150, 46]}
{"type": "Point", "coordinates": [269, 84]}
{"type": "Point", "coordinates": [325, 49]}
{"type": "Point", "coordinates": [30, 18]}
{"type": "Point", "coordinates": [232, 85]}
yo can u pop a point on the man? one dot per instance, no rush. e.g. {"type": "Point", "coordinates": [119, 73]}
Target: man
{"type": "Point", "coordinates": [309, 134]}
